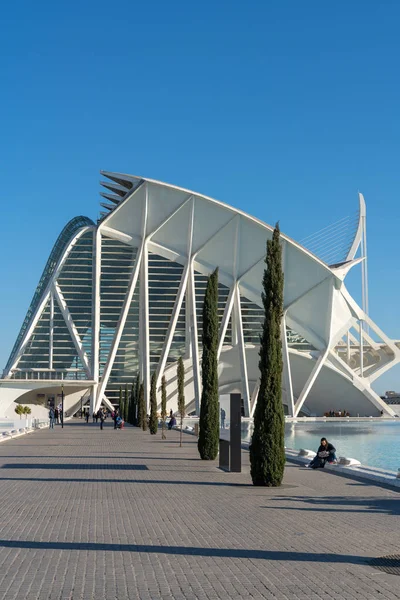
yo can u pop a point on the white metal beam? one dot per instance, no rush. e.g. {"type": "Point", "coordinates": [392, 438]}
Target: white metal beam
{"type": "Point", "coordinates": [310, 381]}
{"type": "Point", "coordinates": [178, 302]}
{"type": "Point", "coordinates": [225, 319]}
{"type": "Point", "coordinates": [125, 309]}
{"type": "Point", "coordinates": [51, 336]}
{"type": "Point", "coordinates": [191, 301]}
{"type": "Point", "coordinates": [287, 374]}
{"type": "Point", "coordinates": [254, 398]}
{"type": "Point", "coordinates": [242, 353]}
{"type": "Point", "coordinates": [96, 281]}
{"type": "Point", "coordinates": [71, 328]}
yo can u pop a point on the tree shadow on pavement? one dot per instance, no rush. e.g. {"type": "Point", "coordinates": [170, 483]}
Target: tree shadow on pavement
{"type": "Point", "coordinates": [191, 551]}
{"type": "Point", "coordinates": [390, 506]}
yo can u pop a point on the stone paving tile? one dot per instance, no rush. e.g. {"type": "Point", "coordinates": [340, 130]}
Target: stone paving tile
{"type": "Point", "coordinates": [89, 514]}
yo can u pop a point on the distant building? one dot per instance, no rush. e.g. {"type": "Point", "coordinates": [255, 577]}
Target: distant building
{"type": "Point", "coordinates": [124, 296]}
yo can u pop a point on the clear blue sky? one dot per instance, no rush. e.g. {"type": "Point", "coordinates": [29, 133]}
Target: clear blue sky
{"type": "Point", "coordinates": [284, 109]}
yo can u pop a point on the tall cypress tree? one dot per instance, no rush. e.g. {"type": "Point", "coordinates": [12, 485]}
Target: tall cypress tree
{"type": "Point", "coordinates": [153, 405]}
{"type": "Point", "coordinates": [181, 393]}
{"type": "Point", "coordinates": [136, 403]}
{"type": "Point", "coordinates": [131, 401]}
{"type": "Point", "coordinates": [126, 404]}
{"type": "Point", "coordinates": [267, 450]}
{"type": "Point", "coordinates": [121, 403]}
{"type": "Point", "coordinates": [143, 405]}
{"type": "Point", "coordinates": [163, 405]}
{"type": "Point", "coordinates": [209, 409]}
{"type": "Point", "coordinates": [140, 406]}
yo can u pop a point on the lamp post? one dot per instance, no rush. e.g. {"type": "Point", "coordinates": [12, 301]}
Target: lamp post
{"type": "Point", "coordinates": [62, 406]}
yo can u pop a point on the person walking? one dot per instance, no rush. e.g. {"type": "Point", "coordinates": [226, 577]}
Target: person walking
{"type": "Point", "coordinates": [56, 416]}
{"type": "Point", "coordinates": [223, 415]}
{"type": "Point", "coordinates": [51, 417]}
{"type": "Point", "coordinates": [116, 415]}
{"type": "Point", "coordinates": [87, 416]}
{"type": "Point", "coordinates": [102, 418]}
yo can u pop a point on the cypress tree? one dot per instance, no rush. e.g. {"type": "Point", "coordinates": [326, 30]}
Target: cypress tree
{"type": "Point", "coordinates": [153, 405]}
{"type": "Point", "coordinates": [209, 408]}
{"type": "Point", "coordinates": [163, 405]}
{"type": "Point", "coordinates": [181, 393]}
{"type": "Point", "coordinates": [121, 403]}
{"type": "Point", "coordinates": [136, 403]}
{"type": "Point", "coordinates": [126, 404]}
{"type": "Point", "coordinates": [140, 405]}
{"type": "Point", "coordinates": [131, 400]}
{"type": "Point", "coordinates": [143, 408]}
{"type": "Point", "coordinates": [267, 450]}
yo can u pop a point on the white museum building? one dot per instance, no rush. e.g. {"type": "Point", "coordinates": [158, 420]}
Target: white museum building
{"type": "Point", "coordinates": [124, 297]}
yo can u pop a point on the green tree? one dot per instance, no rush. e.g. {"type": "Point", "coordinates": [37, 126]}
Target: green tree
{"type": "Point", "coordinates": [19, 409]}
{"type": "Point", "coordinates": [153, 404]}
{"type": "Point", "coordinates": [143, 407]}
{"type": "Point", "coordinates": [27, 410]}
{"type": "Point", "coordinates": [121, 403]}
{"type": "Point", "coordinates": [136, 403]}
{"type": "Point", "coordinates": [126, 404]}
{"type": "Point", "coordinates": [163, 405]}
{"type": "Point", "coordinates": [267, 450]}
{"type": "Point", "coordinates": [181, 393]}
{"type": "Point", "coordinates": [131, 403]}
{"type": "Point", "coordinates": [140, 405]}
{"type": "Point", "coordinates": [209, 408]}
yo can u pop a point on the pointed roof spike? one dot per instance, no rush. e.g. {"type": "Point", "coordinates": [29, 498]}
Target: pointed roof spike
{"type": "Point", "coordinates": [114, 187]}
{"type": "Point", "coordinates": [111, 197]}
{"type": "Point", "coordinates": [109, 207]}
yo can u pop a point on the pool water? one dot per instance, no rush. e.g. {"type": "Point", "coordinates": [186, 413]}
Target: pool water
{"type": "Point", "coordinates": [376, 444]}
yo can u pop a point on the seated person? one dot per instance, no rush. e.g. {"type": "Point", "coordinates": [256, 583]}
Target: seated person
{"type": "Point", "coordinates": [172, 422]}
{"type": "Point", "coordinates": [325, 453]}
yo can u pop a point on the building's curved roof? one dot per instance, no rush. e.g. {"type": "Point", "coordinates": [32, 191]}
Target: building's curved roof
{"type": "Point", "coordinates": [123, 185]}
{"type": "Point", "coordinates": [66, 235]}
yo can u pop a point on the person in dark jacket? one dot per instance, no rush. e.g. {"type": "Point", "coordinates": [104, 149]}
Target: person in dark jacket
{"type": "Point", "coordinates": [325, 453]}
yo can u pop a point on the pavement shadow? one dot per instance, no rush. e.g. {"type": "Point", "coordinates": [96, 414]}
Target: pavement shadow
{"type": "Point", "coordinates": [74, 466]}
{"type": "Point", "coordinates": [389, 506]}
{"type": "Point", "coordinates": [191, 551]}
{"type": "Point", "coordinates": [135, 481]}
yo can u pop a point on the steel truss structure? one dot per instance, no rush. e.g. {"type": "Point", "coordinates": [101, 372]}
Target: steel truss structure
{"type": "Point", "coordinates": [125, 297]}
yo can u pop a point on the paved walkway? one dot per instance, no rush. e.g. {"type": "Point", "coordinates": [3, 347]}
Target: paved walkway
{"type": "Point", "coordinates": [121, 514]}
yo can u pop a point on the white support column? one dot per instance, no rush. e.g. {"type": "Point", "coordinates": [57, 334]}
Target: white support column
{"type": "Point", "coordinates": [287, 375]}
{"type": "Point", "coordinates": [254, 398]}
{"type": "Point", "coordinates": [120, 328]}
{"type": "Point", "coordinates": [51, 336]}
{"type": "Point", "coordinates": [348, 347]}
{"type": "Point", "coordinates": [191, 302]}
{"type": "Point", "coordinates": [178, 301]}
{"type": "Point", "coordinates": [93, 396]}
{"type": "Point", "coordinates": [242, 353]}
{"type": "Point", "coordinates": [225, 319]}
{"type": "Point", "coordinates": [361, 349]}
{"type": "Point", "coordinates": [310, 381]}
{"type": "Point", "coordinates": [144, 324]}
{"type": "Point", "coordinates": [71, 328]}
{"type": "Point", "coordinates": [96, 279]}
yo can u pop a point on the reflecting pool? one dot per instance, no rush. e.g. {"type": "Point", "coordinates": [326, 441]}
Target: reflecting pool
{"type": "Point", "coordinates": [376, 444]}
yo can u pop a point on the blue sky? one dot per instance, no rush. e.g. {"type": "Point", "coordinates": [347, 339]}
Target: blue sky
{"type": "Point", "coordinates": [283, 109]}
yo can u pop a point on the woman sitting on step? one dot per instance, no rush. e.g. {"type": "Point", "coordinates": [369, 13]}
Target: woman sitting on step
{"type": "Point", "coordinates": [325, 453]}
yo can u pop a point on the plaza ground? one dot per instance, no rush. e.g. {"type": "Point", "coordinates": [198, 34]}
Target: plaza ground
{"type": "Point", "coordinates": [122, 514]}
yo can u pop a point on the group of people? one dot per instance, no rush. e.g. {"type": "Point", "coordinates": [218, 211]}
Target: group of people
{"type": "Point", "coordinates": [337, 413]}
{"type": "Point", "coordinates": [55, 417]}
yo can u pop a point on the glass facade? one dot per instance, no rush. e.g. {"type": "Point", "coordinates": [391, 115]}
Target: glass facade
{"type": "Point", "coordinates": [54, 356]}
